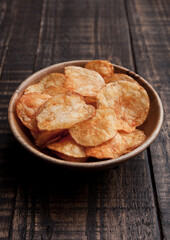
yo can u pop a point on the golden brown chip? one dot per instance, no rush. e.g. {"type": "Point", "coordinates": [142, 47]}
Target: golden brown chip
{"type": "Point", "coordinates": [104, 68]}
{"type": "Point", "coordinates": [44, 137]}
{"type": "Point", "coordinates": [34, 133]}
{"type": "Point", "coordinates": [63, 111]}
{"type": "Point", "coordinates": [68, 147]}
{"type": "Point", "coordinates": [53, 79]}
{"type": "Point", "coordinates": [119, 77]}
{"type": "Point", "coordinates": [133, 139]}
{"type": "Point", "coordinates": [94, 131]}
{"type": "Point", "coordinates": [27, 107]}
{"type": "Point", "coordinates": [70, 159]}
{"type": "Point", "coordinates": [53, 91]}
{"type": "Point", "coordinates": [113, 148]}
{"type": "Point", "coordinates": [83, 81]}
{"type": "Point", "coordinates": [128, 100]}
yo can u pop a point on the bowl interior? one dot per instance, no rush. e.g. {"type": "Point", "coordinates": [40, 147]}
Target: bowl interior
{"type": "Point", "coordinates": [151, 126]}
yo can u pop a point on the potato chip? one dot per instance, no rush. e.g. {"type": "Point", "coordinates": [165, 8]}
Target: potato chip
{"type": "Point", "coordinates": [53, 79]}
{"type": "Point", "coordinates": [27, 107]}
{"type": "Point", "coordinates": [113, 148]}
{"type": "Point", "coordinates": [94, 131]}
{"type": "Point", "coordinates": [119, 77]}
{"type": "Point", "coordinates": [53, 91]}
{"type": "Point", "coordinates": [44, 137]}
{"type": "Point", "coordinates": [133, 139]}
{"type": "Point", "coordinates": [70, 159]}
{"type": "Point", "coordinates": [68, 147]}
{"type": "Point", "coordinates": [83, 81]}
{"type": "Point", "coordinates": [34, 133]}
{"type": "Point", "coordinates": [128, 100]}
{"type": "Point", "coordinates": [63, 111]}
{"type": "Point", "coordinates": [104, 68]}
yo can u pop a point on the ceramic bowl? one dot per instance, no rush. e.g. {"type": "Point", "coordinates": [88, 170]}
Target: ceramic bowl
{"type": "Point", "coordinates": [151, 126]}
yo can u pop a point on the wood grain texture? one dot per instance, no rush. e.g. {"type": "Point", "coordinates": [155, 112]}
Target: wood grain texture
{"type": "Point", "coordinates": [64, 205]}
{"type": "Point", "coordinates": [150, 30]}
{"type": "Point", "coordinates": [17, 56]}
{"type": "Point", "coordinates": [40, 201]}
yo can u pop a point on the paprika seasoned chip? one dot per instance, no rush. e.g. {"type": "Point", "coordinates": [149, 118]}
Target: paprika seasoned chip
{"type": "Point", "coordinates": [113, 148]}
{"type": "Point", "coordinates": [94, 131]}
{"type": "Point", "coordinates": [53, 91]}
{"type": "Point", "coordinates": [69, 158]}
{"type": "Point", "coordinates": [27, 107]}
{"type": "Point", "coordinates": [133, 139]}
{"type": "Point", "coordinates": [103, 67]}
{"type": "Point", "coordinates": [53, 79]}
{"type": "Point", "coordinates": [128, 100]}
{"type": "Point", "coordinates": [68, 147]}
{"type": "Point", "coordinates": [44, 137]}
{"type": "Point", "coordinates": [120, 77]}
{"type": "Point", "coordinates": [83, 81]}
{"type": "Point", "coordinates": [63, 111]}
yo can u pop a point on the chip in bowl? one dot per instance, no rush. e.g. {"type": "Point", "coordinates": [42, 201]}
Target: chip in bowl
{"type": "Point", "coordinates": [27, 107]}
{"type": "Point", "coordinates": [53, 79]}
{"type": "Point", "coordinates": [128, 100]}
{"type": "Point", "coordinates": [63, 111]}
{"type": "Point", "coordinates": [67, 147]}
{"type": "Point", "coordinates": [83, 81]}
{"type": "Point", "coordinates": [112, 148]}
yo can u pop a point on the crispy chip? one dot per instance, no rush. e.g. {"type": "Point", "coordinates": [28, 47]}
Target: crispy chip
{"type": "Point", "coordinates": [83, 81]}
{"type": "Point", "coordinates": [34, 133]}
{"type": "Point", "coordinates": [113, 148]}
{"type": "Point", "coordinates": [53, 79]}
{"type": "Point", "coordinates": [94, 131]}
{"type": "Point", "coordinates": [44, 137]}
{"type": "Point", "coordinates": [119, 77]}
{"type": "Point", "coordinates": [27, 107]}
{"type": "Point", "coordinates": [63, 111]}
{"type": "Point", "coordinates": [128, 100]}
{"type": "Point", "coordinates": [53, 91]}
{"type": "Point", "coordinates": [133, 139]}
{"type": "Point", "coordinates": [104, 68]}
{"type": "Point", "coordinates": [68, 147]}
{"type": "Point", "coordinates": [70, 159]}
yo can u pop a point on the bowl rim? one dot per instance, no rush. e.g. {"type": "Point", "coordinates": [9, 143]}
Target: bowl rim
{"type": "Point", "coordinates": [84, 165]}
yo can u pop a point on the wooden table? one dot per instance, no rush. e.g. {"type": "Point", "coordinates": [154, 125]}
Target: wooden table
{"type": "Point", "coordinates": [40, 201]}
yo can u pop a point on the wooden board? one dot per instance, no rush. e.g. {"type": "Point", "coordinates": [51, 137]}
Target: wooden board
{"type": "Point", "coordinates": [149, 25]}
{"type": "Point", "coordinates": [19, 44]}
{"type": "Point", "coordinates": [40, 201]}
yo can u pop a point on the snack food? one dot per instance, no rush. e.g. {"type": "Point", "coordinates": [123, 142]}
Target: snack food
{"type": "Point", "coordinates": [128, 100]}
{"type": "Point", "coordinates": [83, 81]}
{"type": "Point", "coordinates": [85, 112]}
{"type": "Point", "coordinates": [68, 147]}
{"type": "Point", "coordinates": [120, 77]}
{"type": "Point", "coordinates": [113, 148]}
{"type": "Point", "coordinates": [62, 112]}
{"type": "Point", "coordinates": [53, 79]}
{"type": "Point", "coordinates": [96, 130]}
{"type": "Point", "coordinates": [133, 139]}
{"type": "Point", "coordinates": [27, 107]}
{"type": "Point", "coordinates": [103, 67]}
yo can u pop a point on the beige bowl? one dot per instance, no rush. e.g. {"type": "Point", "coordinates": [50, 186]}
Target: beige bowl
{"type": "Point", "coordinates": [151, 126]}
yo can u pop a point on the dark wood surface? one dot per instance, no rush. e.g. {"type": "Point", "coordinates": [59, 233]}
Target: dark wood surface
{"type": "Point", "coordinates": [41, 201]}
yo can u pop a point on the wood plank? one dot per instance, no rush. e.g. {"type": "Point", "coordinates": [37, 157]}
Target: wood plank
{"type": "Point", "coordinates": [8, 12]}
{"type": "Point", "coordinates": [17, 57]}
{"type": "Point", "coordinates": [116, 204]}
{"type": "Point", "coordinates": [149, 22]}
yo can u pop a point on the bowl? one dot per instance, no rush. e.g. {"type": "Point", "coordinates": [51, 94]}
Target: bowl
{"type": "Point", "coordinates": [151, 126]}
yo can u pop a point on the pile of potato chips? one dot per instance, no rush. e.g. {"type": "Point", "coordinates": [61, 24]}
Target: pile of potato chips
{"type": "Point", "coordinates": [85, 112]}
